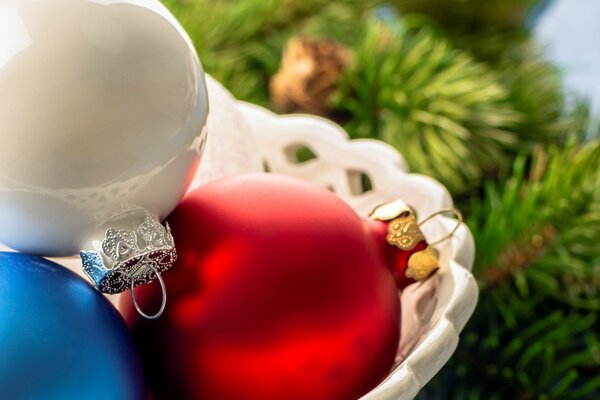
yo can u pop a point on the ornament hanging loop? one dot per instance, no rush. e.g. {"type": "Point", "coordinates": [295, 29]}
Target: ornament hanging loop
{"type": "Point", "coordinates": [459, 221]}
{"type": "Point", "coordinates": [164, 296]}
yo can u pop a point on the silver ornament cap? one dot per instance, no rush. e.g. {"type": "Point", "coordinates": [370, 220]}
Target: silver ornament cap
{"type": "Point", "coordinates": [133, 251]}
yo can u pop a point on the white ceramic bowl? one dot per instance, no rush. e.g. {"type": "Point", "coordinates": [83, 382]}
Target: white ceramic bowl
{"type": "Point", "coordinates": [442, 310]}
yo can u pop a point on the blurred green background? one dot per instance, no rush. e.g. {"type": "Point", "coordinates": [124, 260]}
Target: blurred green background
{"type": "Point", "coordinates": [497, 99]}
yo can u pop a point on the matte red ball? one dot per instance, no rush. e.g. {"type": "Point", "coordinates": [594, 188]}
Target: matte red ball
{"type": "Point", "coordinates": [280, 292]}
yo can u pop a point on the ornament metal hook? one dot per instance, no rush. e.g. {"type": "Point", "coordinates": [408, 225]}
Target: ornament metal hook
{"type": "Point", "coordinates": [459, 218]}
{"type": "Point", "coordinates": [164, 296]}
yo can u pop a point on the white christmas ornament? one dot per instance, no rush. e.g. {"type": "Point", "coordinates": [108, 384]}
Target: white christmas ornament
{"type": "Point", "coordinates": [231, 148]}
{"type": "Point", "coordinates": [103, 108]}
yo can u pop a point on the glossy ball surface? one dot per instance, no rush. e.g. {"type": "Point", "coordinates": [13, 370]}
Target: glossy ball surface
{"type": "Point", "coordinates": [280, 292]}
{"type": "Point", "coordinates": [103, 106]}
{"type": "Point", "coordinates": [60, 338]}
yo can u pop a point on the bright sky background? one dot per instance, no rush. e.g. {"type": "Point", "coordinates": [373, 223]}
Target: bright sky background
{"type": "Point", "coordinates": [570, 31]}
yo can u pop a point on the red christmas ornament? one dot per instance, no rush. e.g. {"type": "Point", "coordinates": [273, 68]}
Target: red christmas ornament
{"type": "Point", "coordinates": [280, 291]}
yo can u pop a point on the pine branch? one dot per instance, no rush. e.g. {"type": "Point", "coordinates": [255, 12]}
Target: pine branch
{"type": "Point", "coordinates": [447, 114]}
{"type": "Point", "coordinates": [516, 258]}
{"type": "Point", "coordinates": [535, 215]}
{"type": "Point", "coordinates": [241, 42]}
{"type": "Point", "coordinates": [534, 334]}
{"type": "Point", "coordinates": [534, 84]}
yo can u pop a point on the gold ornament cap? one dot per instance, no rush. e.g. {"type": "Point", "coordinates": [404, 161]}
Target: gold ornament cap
{"type": "Point", "coordinates": [404, 233]}
{"type": "Point", "coordinates": [422, 264]}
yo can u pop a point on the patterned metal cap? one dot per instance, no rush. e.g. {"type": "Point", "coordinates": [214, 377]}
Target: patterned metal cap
{"type": "Point", "coordinates": [134, 257]}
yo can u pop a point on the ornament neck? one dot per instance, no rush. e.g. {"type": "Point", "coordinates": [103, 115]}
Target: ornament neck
{"type": "Point", "coordinates": [403, 244]}
{"type": "Point", "coordinates": [396, 259]}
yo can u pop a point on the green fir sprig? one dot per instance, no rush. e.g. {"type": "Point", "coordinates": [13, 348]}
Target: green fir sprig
{"type": "Point", "coordinates": [534, 333]}
{"type": "Point", "coordinates": [241, 42]}
{"type": "Point", "coordinates": [534, 84]}
{"type": "Point", "coordinates": [445, 112]}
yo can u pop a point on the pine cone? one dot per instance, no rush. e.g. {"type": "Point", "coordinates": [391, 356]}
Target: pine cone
{"type": "Point", "coordinates": [308, 75]}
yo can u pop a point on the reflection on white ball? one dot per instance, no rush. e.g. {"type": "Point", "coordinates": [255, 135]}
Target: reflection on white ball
{"type": "Point", "coordinates": [103, 107]}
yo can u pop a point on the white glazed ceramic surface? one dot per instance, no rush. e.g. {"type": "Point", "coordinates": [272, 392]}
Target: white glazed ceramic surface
{"type": "Point", "coordinates": [102, 111]}
{"type": "Point", "coordinates": [230, 146]}
{"type": "Point", "coordinates": [339, 165]}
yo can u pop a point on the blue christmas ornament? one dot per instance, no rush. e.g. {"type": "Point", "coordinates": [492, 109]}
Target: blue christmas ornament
{"type": "Point", "coordinates": [60, 338]}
